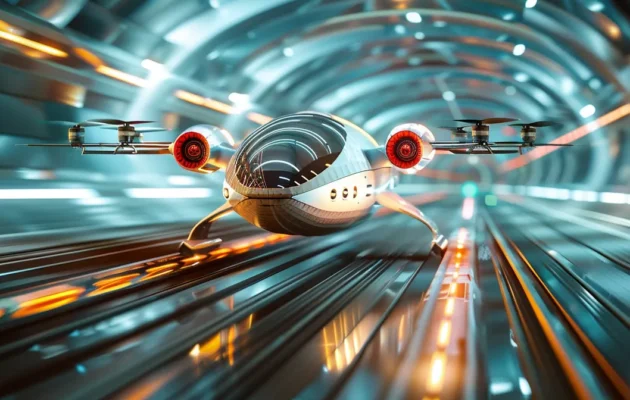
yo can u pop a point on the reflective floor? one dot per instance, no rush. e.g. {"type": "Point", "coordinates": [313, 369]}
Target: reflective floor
{"type": "Point", "coordinates": [530, 300]}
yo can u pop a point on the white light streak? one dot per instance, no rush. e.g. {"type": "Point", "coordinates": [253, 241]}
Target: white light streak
{"type": "Point", "coordinates": [613, 198]}
{"type": "Point", "coordinates": [180, 180]}
{"type": "Point", "coordinates": [46, 194]}
{"type": "Point", "coordinates": [152, 65]}
{"type": "Point", "coordinates": [168, 193]}
{"type": "Point", "coordinates": [239, 98]}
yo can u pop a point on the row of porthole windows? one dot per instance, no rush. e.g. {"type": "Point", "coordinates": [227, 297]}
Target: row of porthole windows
{"type": "Point", "coordinates": [345, 193]}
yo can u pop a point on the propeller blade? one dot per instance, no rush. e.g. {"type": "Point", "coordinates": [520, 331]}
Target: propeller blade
{"type": "Point", "coordinates": [69, 123]}
{"type": "Point", "coordinates": [487, 121]}
{"type": "Point", "coordinates": [108, 121]}
{"type": "Point", "coordinates": [137, 130]}
{"type": "Point", "coordinates": [539, 124]}
{"type": "Point", "coordinates": [118, 121]}
{"type": "Point", "coordinates": [469, 121]}
{"type": "Point", "coordinates": [138, 122]}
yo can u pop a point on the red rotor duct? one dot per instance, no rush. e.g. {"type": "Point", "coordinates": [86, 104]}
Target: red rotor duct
{"type": "Point", "coordinates": [191, 150]}
{"type": "Point", "coordinates": [404, 149]}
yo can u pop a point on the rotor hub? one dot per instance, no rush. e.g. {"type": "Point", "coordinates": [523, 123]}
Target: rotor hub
{"type": "Point", "coordinates": [528, 134]}
{"type": "Point", "coordinates": [480, 133]}
{"type": "Point", "coordinates": [75, 135]}
{"type": "Point", "coordinates": [127, 134]}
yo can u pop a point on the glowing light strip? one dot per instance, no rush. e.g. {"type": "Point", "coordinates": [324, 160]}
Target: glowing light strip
{"type": "Point", "coordinates": [33, 44]}
{"type": "Point", "coordinates": [277, 162]}
{"type": "Point", "coordinates": [205, 102]}
{"type": "Point", "coordinates": [46, 194]}
{"type": "Point", "coordinates": [121, 76]}
{"type": "Point", "coordinates": [168, 193]}
{"type": "Point", "coordinates": [567, 138]}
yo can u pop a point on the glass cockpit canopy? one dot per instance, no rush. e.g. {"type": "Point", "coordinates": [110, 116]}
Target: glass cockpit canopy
{"type": "Point", "coordinates": [289, 151]}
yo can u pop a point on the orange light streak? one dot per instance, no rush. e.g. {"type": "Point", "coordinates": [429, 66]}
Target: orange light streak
{"type": "Point", "coordinates": [436, 377]}
{"type": "Point", "coordinates": [206, 102]}
{"type": "Point", "coordinates": [48, 302]}
{"type": "Point", "coordinates": [444, 335]}
{"type": "Point", "coordinates": [33, 44]}
{"type": "Point", "coordinates": [121, 76]}
{"type": "Point", "coordinates": [89, 57]}
{"type": "Point", "coordinates": [258, 118]}
{"type": "Point", "coordinates": [450, 307]}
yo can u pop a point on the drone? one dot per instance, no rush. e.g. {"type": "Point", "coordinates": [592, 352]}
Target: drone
{"type": "Point", "coordinates": [306, 173]}
{"type": "Point", "coordinates": [480, 142]}
{"type": "Point", "coordinates": [129, 137]}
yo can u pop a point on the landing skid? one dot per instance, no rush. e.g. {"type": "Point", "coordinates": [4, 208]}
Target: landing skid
{"type": "Point", "coordinates": [198, 242]}
{"type": "Point", "coordinates": [196, 247]}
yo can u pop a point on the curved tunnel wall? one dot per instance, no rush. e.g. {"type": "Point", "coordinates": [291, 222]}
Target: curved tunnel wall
{"type": "Point", "coordinates": [377, 63]}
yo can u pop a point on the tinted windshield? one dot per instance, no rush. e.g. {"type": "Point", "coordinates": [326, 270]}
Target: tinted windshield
{"type": "Point", "coordinates": [289, 151]}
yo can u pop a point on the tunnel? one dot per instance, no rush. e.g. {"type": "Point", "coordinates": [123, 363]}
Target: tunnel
{"type": "Point", "coordinates": [219, 199]}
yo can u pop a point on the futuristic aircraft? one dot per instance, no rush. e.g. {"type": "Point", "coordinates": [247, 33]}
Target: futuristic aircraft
{"type": "Point", "coordinates": [302, 174]}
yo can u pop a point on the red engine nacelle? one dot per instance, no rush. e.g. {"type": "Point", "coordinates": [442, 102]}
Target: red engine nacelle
{"type": "Point", "coordinates": [409, 146]}
{"type": "Point", "coordinates": [191, 150]}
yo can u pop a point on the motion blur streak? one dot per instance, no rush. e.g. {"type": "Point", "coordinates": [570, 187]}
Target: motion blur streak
{"type": "Point", "coordinates": [46, 194]}
{"type": "Point", "coordinates": [33, 44]}
{"type": "Point", "coordinates": [168, 193]}
{"type": "Point", "coordinates": [121, 76]}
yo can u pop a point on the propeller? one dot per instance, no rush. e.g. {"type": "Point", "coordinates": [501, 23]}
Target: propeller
{"type": "Point", "coordinates": [487, 121]}
{"type": "Point", "coordinates": [138, 130]}
{"type": "Point", "coordinates": [75, 124]}
{"type": "Point", "coordinates": [538, 124]}
{"type": "Point", "coordinates": [118, 122]}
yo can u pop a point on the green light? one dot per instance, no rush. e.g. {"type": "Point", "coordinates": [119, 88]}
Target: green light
{"type": "Point", "coordinates": [491, 200]}
{"type": "Point", "coordinates": [469, 189]}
